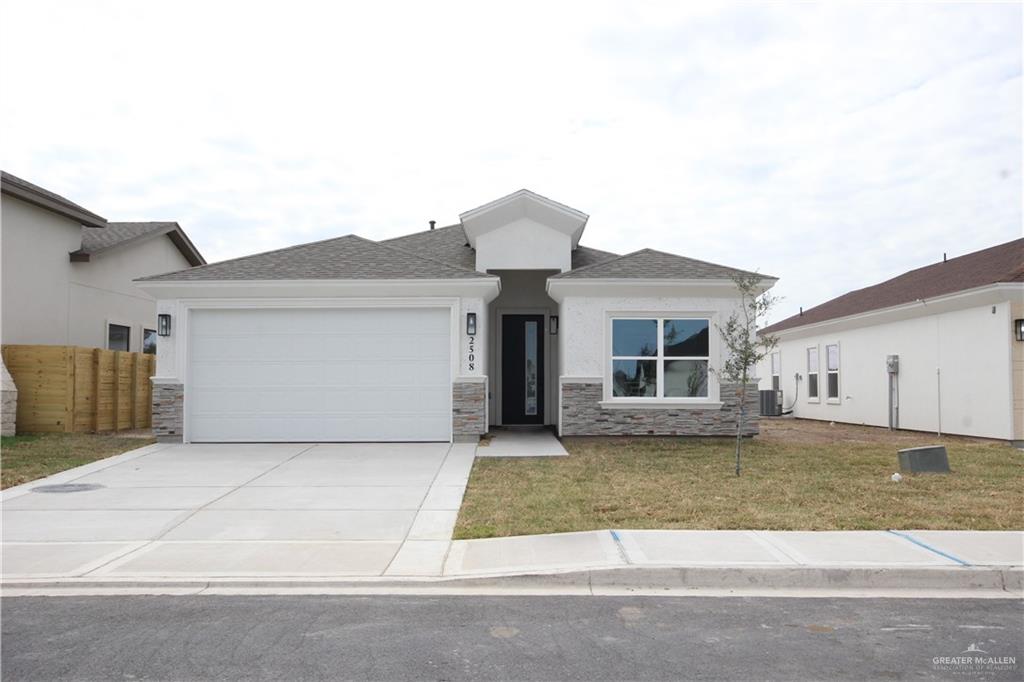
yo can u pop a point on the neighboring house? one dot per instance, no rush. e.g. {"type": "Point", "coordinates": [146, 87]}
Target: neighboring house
{"type": "Point", "coordinates": [935, 349]}
{"type": "Point", "coordinates": [67, 272]}
{"type": "Point", "coordinates": [502, 319]}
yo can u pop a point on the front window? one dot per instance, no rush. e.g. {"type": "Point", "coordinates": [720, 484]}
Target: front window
{"type": "Point", "coordinates": [812, 373]}
{"type": "Point", "coordinates": [117, 337]}
{"type": "Point", "coordinates": [149, 341]}
{"type": "Point", "coordinates": [776, 370]}
{"type": "Point", "coordinates": [660, 358]}
{"type": "Point", "coordinates": [832, 371]}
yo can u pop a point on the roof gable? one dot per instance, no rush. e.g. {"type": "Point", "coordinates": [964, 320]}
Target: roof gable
{"type": "Point", "coordinates": [652, 264]}
{"type": "Point", "coordinates": [117, 235]}
{"type": "Point", "coordinates": [1000, 263]}
{"type": "Point", "coordinates": [343, 258]}
{"type": "Point", "coordinates": [519, 205]}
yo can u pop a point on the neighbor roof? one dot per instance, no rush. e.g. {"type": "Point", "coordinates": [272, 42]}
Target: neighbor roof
{"type": "Point", "coordinates": [44, 198]}
{"type": "Point", "coordinates": [449, 244]}
{"type": "Point", "coordinates": [651, 264]}
{"type": "Point", "coordinates": [1001, 263]}
{"type": "Point", "coordinates": [95, 240]}
{"type": "Point", "coordinates": [343, 258]}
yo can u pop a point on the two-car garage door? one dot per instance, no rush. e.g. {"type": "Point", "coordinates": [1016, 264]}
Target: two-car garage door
{"type": "Point", "coordinates": [305, 374]}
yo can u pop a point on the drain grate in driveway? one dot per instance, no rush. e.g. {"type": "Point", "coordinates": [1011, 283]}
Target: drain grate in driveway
{"type": "Point", "coordinates": [67, 488]}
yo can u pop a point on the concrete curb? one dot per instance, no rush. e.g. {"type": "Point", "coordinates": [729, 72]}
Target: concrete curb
{"type": "Point", "coordinates": [1005, 582]}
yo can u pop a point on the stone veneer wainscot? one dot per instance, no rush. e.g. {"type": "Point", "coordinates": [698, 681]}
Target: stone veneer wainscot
{"type": "Point", "coordinates": [168, 412]}
{"type": "Point", "coordinates": [582, 415]}
{"type": "Point", "coordinates": [469, 410]}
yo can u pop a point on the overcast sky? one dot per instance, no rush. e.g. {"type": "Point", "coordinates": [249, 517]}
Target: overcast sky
{"type": "Point", "coordinates": [831, 145]}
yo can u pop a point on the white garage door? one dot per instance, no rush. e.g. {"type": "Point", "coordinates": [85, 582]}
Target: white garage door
{"type": "Point", "coordinates": [301, 375]}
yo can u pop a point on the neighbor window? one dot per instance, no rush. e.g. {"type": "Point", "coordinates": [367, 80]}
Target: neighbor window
{"type": "Point", "coordinates": [776, 370]}
{"type": "Point", "coordinates": [812, 373]}
{"type": "Point", "coordinates": [660, 358]}
{"type": "Point", "coordinates": [832, 371]}
{"type": "Point", "coordinates": [149, 341]}
{"type": "Point", "coordinates": [117, 337]}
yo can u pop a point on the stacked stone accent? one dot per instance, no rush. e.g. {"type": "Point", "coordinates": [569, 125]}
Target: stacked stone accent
{"type": "Point", "coordinates": [168, 412]}
{"type": "Point", "coordinates": [9, 404]}
{"type": "Point", "coordinates": [582, 415]}
{"type": "Point", "coordinates": [469, 410]}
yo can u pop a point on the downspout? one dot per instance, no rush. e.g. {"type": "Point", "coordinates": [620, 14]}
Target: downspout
{"type": "Point", "coordinates": [938, 395]}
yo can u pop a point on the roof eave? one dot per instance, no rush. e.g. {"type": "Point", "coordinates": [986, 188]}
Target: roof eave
{"type": "Point", "coordinates": [68, 210]}
{"type": "Point", "coordinates": [558, 288]}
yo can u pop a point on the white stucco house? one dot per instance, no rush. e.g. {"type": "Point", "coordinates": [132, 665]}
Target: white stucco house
{"type": "Point", "coordinates": [501, 319]}
{"type": "Point", "coordinates": [67, 272]}
{"type": "Point", "coordinates": [939, 348]}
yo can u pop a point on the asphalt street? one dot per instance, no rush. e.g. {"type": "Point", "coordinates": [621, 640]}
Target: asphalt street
{"type": "Point", "coordinates": [497, 638]}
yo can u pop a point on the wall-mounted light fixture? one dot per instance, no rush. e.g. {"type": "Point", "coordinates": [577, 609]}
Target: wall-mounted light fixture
{"type": "Point", "coordinates": [553, 325]}
{"type": "Point", "coordinates": [1018, 329]}
{"type": "Point", "coordinates": [163, 324]}
{"type": "Point", "coordinates": [471, 324]}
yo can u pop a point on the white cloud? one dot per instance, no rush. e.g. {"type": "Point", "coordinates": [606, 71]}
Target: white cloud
{"type": "Point", "coordinates": [833, 145]}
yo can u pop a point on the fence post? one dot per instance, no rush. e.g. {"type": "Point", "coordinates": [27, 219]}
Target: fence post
{"type": "Point", "coordinates": [117, 390]}
{"type": "Point", "coordinates": [96, 390]}
{"type": "Point", "coordinates": [135, 390]}
{"type": "Point", "coordinates": [69, 389]}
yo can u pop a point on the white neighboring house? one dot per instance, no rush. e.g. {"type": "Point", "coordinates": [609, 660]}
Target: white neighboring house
{"type": "Point", "coordinates": [67, 272]}
{"type": "Point", "coordinates": [955, 329]}
{"type": "Point", "coordinates": [501, 319]}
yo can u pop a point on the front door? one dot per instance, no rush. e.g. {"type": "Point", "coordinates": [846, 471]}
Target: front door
{"type": "Point", "coordinates": [522, 369]}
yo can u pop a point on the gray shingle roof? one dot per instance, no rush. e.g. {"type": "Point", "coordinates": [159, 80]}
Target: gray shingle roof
{"type": "Point", "coordinates": [348, 257]}
{"type": "Point", "coordinates": [51, 201]}
{"type": "Point", "coordinates": [96, 240]}
{"type": "Point", "coordinates": [449, 244]}
{"type": "Point", "coordinates": [651, 264]}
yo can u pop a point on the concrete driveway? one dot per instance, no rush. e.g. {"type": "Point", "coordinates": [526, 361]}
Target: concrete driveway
{"type": "Point", "coordinates": [263, 510]}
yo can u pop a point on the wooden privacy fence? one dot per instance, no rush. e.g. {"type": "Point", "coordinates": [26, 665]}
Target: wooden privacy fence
{"type": "Point", "coordinates": [73, 389]}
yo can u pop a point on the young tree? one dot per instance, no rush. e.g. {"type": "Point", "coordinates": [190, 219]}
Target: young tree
{"type": "Point", "coordinates": [744, 348]}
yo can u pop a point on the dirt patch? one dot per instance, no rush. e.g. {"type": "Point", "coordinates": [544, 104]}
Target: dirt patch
{"type": "Point", "coordinates": [816, 432]}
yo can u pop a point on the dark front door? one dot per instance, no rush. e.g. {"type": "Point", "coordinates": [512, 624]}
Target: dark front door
{"type": "Point", "coordinates": [522, 369]}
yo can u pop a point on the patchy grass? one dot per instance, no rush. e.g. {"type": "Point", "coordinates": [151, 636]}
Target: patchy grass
{"type": "Point", "coordinates": [28, 457]}
{"type": "Point", "coordinates": [798, 475]}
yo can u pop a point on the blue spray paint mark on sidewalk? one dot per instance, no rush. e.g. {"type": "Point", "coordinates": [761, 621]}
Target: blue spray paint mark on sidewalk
{"type": "Point", "coordinates": [911, 538]}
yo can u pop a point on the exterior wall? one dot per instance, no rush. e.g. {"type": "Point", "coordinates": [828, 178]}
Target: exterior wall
{"type": "Point", "coordinates": [469, 410]}
{"type": "Point", "coordinates": [1017, 375]}
{"type": "Point", "coordinates": [583, 415]}
{"type": "Point", "coordinates": [35, 244]}
{"type": "Point", "coordinates": [102, 291]}
{"type": "Point", "coordinates": [71, 303]}
{"type": "Point", "coordinates": [523, 291]}
{"type": "Point", "coordinates": [469, 361]}
{"type": "Point", "coordinates": [168, 412]}
{"type": "Point", "coordinates": [524, 245]}
{"type": "Point", "coordinates": [585, 350]}
{"type": "Point", "coordinates": [954, 372]}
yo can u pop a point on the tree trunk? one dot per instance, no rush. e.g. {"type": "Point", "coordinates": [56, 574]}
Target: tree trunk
{"type": "Point", "coordinates": [739, 423]}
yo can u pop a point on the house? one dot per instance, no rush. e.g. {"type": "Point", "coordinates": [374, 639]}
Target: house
{"type": "Point", "coordinates": [939, 348]}
{"type": "Point", "coordinates": [502, 319]}
{"type": "Point", "coordinates": [67, 272]}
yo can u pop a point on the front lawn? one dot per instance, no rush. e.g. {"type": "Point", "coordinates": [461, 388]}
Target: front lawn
{"type": "Point", "coordinates": [798, 475]}
{"type": "Point", "coordinates": [26, 458]}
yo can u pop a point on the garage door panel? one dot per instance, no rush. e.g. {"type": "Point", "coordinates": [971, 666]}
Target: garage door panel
{"type": "Point", "coordinates": [319, 374]}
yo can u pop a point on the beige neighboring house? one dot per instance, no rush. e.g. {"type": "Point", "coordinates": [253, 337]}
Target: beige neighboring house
{"type": "Point", "coordinates": [67, 272]}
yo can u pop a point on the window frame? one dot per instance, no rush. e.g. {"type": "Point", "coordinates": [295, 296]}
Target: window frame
{"type": "Point", "coordinates": [659, 399]}
{"type": "Point", "coordinates": [142, 341]}
{"type": "Point", "coordinates": [816, 398]}
{"type": "Point", "coordinates": [837, 371]}
{"type": "Point", "coordinates": [106, 340]}
{"type": "Point", "coordinates": [775, 361]}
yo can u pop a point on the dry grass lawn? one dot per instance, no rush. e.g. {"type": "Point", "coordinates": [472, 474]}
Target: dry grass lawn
{"type": "Point", "coordinates": [798, 475]}
{"type": "Point", "coordinates": [26, 458]}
